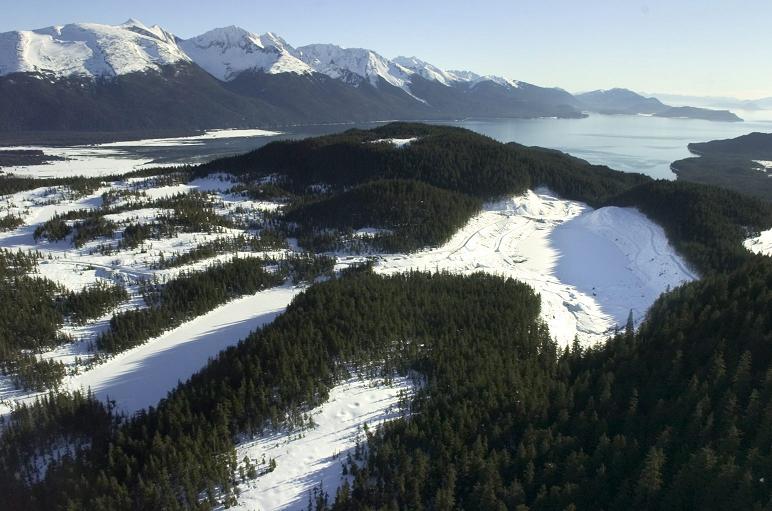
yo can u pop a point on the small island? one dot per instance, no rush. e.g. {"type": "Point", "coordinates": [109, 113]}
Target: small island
{"type": "Point", "coordinates": [17, 157]}
{"type": "Point", "coordinates": [742, 164]}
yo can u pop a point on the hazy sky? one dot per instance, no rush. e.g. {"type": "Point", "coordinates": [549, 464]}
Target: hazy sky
{"type": "Point", "coordinates": [699, 47]}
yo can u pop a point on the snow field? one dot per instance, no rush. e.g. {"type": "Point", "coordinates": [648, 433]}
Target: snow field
{"type": "Point", "coordinates": [761, 244]}
{"type": "Point", "coordinates": [313, 457]}
{"type": "Point", "coordinates": [591, 267]}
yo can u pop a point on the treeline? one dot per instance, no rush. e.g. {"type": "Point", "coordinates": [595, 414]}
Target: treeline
{"type": "Point", "coordinates": [706, 224]}
{"type": "Point", "coordinates": [736, 173]}
{"type": "Point", "coordinates": [187, 212]}
{"type": "Point", "coordinates": [357, 191]}
{"type": "Point", "coordinates": [194, 293]}
{"type": "Point", "coordinates": [677, 416]}
{"type": "Point", "coordinates": [10, 221]}
{"type": "Point", "coordinates": [266, 240]}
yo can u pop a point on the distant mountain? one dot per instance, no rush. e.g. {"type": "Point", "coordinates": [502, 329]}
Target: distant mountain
{"type": "Point", "coordinates": [92, 77]}
{"type": "Point", "coordinates": [620, 101]}
{"type": "Point", "coordinates": [625, 101]}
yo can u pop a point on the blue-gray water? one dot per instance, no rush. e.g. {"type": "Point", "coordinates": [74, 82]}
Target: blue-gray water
{"type": "Point", "coordinates": [623, 142]}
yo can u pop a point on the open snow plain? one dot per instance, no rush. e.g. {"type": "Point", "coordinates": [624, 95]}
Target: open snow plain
{"type": "Point", "coordinates": [591, 267]}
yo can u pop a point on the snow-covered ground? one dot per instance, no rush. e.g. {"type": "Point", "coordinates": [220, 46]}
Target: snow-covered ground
{"type": "Point", "coordinates": [591, 267]}
{"type": "Point", "coordinates": [115, 158]}
{"type": "Point", "coordinates": [761, 244]}
{"type": "Point", "coordinates": [397, 142]}
{"type": "Point", "coordinates": [308, 458]}
{"type": "Point", "coordinates": [140, 377]}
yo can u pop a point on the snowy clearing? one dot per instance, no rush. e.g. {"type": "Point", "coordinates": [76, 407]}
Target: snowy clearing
{"type": "Point", "coordinates": [310, 457]}
{"type": "Point", "coordinates": [761, 244]}
{"type": "Point", "coordinates": [397, 142]}
{"type": "Point", "coordinates": [591, 267]}
{"type": "Point", "coordinates": [140, 377]}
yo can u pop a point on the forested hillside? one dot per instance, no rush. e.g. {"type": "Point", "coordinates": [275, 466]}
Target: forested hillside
{"type": "Point", "coordinates": [706, 223]}
{"type": "Point", "coordinates": [676, 415]}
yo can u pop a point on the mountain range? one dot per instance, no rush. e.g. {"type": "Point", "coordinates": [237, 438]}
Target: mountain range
{"type": "Point", "coordinates": [93, 77]}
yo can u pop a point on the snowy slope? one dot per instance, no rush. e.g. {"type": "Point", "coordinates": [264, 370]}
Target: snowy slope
{"type": "Point", "coordinates": [591, 267]}
{"type": "Point", "coordinates": [89, 49]}
{"type": "Point", "coordinates": [226, 52]}
{"type": "Point", "coordinates": [427, 70]}
{"type": "Point", "coordinates": [353, 64]}
{"type": "Point", "coordinates": [761, 244]}
{"type": "Point", "coordinates": [306, 459]}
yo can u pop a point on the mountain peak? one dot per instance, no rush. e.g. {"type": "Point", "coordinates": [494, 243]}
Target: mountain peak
{"type": "Point", "coordinates": [88, 49]}
{"type": "Point", "coordinates": [226, 52]}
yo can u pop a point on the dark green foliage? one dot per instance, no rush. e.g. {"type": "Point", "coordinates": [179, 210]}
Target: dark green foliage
{"type": "Point", "coordinates": [267, 240]}
{"type": "Point", "coordinates": [92, 228]}
{"type": "Point", "coordinates": [730, 172]}
{"type": "Point", "coordinates": [351, 168]}
{"type": "Point", "coordinates": [753, 146]}
{"type": "Point", "coordinates": [188, 296]}
{"type": "Point", "coordinates": [31, 373]}
{"type": "Point", "coordinates": [55, 229]}
{"type": "Point", "coordinates": [9, 222]}
{"type": "Point", "coordinates": [91, 302]}
{"type": "Point", "coordinates": [416, 214]}
{"type": "Point", "coordinates": [672, 417]}
{"type": "Point", "coordinates": [33, 310]}
{"type": "Point", "coordinates": [706, 224]}
{"type": "Point", "coordinates": [59, 425]}
{"type": "Point", "coordinates": [676, 417]}
{"type": "Point", "coordinates": [165, 457]}
{"type": "Point", "coordinates": [730, 164]}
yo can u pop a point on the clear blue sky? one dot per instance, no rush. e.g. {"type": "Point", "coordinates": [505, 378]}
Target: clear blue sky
{"type": "Point", "coordinates": [700, 47]}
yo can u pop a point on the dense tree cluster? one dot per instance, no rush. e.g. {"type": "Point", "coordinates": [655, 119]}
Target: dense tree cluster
{"type": "Point", "coordinates": [33, 310]}
{"type": "Point", "coordinates": [731, 172]}
{"type": "Point", "coordinates": [352, 165]}
{"type": "Point", "coordinates": [412, 213]}
{"type": "Point", "coordinates": [8, 222]}
{"type": "Point", "coordinates": [194, 293]}
{"type": "Point", "coordinates": [672, 417]}
{"type": "Point", "coordinates": [267, 240]}
{"type": "Point", "coordinates": [676, 416]}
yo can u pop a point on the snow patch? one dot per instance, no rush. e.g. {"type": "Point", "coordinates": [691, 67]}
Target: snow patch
{"type": "Point", "coordinates": [312, 457]}
{"type": "Point", "coordinates": [761, 244]}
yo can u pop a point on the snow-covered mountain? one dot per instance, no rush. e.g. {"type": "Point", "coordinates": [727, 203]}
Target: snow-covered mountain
{"type": "Point", "coordinates": [226, 52]}
{"type": "Point", "coordinates": [353, 64]}
{"type": "Point", "coordinates": [89, 49]}
{"type": "Point", "coordinates": [229, 77]}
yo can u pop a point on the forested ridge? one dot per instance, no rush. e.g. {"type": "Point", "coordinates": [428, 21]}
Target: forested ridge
{"type": "Point", "coordinates": [677, 415]}
{"type": "Point", "coordinates": [333, 180]}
